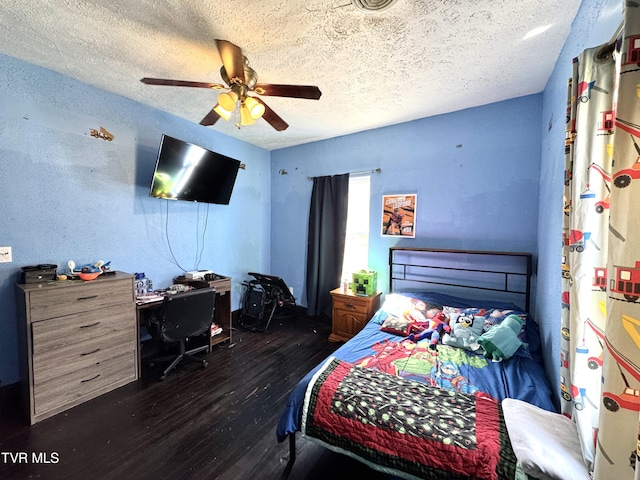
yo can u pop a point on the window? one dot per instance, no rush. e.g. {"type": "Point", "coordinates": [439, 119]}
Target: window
{"type": "Point", "coordinates": [356, 250]}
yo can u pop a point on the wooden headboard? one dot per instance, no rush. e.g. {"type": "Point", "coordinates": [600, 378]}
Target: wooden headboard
{"type": "Point", "coordinates": [504, 276]}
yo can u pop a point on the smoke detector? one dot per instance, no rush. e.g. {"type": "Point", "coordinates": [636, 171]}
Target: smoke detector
{"type": "Point", "coordinates": [373, 5]}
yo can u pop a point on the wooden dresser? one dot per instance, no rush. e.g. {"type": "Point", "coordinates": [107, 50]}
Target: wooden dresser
{"type": "Point", "coordinates": [77, 341]}
{"type": "Point", "coordinates": [350, 313]}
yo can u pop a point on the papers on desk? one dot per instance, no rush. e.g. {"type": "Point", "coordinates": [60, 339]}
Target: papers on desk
{"type": "Point", "coordinates": [148, 298]}
{"type": "Point", "coordinates": [215, 330]}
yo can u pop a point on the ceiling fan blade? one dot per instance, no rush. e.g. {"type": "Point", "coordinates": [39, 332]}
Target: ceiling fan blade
{"type": "Point", "coordinates": [210, 118]}
{"type": "Point", "coordinates": [272, 118]}
{"type": "Point", "coordinates": [294, 91]}
{"type": "Point", "coordinates": [181, 83]}
{"type": "Point", "coordinates": [232, 59]}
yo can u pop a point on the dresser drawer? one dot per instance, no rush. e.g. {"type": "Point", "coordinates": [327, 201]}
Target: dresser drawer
{"type": "Point", "coordinates": [61, 332]}
{"type": "Point", "coordinates": [57, 302]}
{"type": "Point", "coordinates": [59, 362]}
{"type": "Point", "coordinates": [80, 385]}
{"type": "Point", "coordinates": [351, 304]}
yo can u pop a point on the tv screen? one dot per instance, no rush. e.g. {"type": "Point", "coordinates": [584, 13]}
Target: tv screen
{"type": "Point", "coordinates": [188, 172]}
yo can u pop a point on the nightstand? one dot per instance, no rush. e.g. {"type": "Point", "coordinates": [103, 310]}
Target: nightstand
{"type": "Point", "coordinates": [350, 313]}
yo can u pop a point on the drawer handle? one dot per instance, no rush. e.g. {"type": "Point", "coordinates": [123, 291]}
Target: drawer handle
{"type": "Point", "coordinates": [90, 353]}
{"type": "Point", "coordinates": [87, 298]}
{"type": "Point", "coordinates": [90, 325]}
{"type": "Point", "coordinates": [349, 305]}
{"type": "Point", "coordinates": [90, 379]}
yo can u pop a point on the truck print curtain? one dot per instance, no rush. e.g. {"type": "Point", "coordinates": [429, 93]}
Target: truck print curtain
{"type": "Point", "coordinates": [600, 345]}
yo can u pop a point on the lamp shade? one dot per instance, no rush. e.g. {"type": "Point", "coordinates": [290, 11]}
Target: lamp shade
{"type": "Point", "coordinates": [223, 112]}
{"type": "Point", "coordinates": [256, 108]}
{"type": "Point", "coordinates": [245, 115]}
{"type": "Point", "coordinates": [227, 100]}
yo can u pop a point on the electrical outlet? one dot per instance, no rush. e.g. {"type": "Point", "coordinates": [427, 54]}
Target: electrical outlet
{"type": "Point", "coordinates": [5, 255]}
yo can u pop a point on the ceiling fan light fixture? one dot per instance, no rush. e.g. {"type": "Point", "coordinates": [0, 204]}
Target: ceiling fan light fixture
{"type": "Point", "coordinates": [223, 112]}
{"type": "Point", "coordinates": [227, 100]}
{"type": "Point", "coordinates": [255, 108]}
{"type": "Point", "coordinates": [245, 115]}
{"type": "Point", "coordinates": [234, 103]}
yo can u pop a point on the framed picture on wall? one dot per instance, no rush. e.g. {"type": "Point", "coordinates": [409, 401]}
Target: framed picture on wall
{"type": "Point", "coordinates": [399, 215]}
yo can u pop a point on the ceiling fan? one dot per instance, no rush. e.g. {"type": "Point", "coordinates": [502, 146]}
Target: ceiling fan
{"type": "Point", "coordinates": [235, 102]}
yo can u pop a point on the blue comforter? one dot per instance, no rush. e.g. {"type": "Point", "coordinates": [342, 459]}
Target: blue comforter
{"type": "Point", "coordinates": [459, 369]}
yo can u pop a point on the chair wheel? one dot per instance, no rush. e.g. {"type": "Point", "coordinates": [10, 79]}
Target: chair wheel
{"type": "Point", "coordinates": [152, 364]}
{"type": "Point", "coordinates": [162, 377]}
{"type": "Point", "coordinates": [204, 363]}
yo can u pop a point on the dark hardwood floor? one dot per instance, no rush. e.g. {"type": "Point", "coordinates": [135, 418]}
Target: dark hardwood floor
{"type": "Point", "coordinates": [212, 423]}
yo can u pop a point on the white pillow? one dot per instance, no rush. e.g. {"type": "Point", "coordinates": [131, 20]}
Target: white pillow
{"type": "Point", "coordinates": [545, 443]}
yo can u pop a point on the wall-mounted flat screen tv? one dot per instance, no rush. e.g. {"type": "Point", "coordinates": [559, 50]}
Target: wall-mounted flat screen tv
{"type": "Point", "coordinates": [188, 172]}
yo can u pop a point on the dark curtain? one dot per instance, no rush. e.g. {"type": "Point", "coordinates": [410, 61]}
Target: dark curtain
{"type": "Point", "coordinates": [325, 248]}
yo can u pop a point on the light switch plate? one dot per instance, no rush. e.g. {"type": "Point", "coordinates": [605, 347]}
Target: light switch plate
{"type": "Point", "coordinates": [5, 255]}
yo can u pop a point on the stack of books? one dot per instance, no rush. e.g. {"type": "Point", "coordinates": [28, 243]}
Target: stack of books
{"type": "Point", "coordinates": [215, 330]}
{"type": "Point", "coordinates": [148, 298]}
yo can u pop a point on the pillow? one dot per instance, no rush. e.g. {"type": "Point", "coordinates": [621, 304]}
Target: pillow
{"type": "Point", "coordinates": [399, 313]}
{"type": "Point", "coordinates": [459, 302]}
{"type": "Point", "coordinates": [495, 316]}
{"type": "Point", "coordinates": [397, 325]}
{"type": "Point", "coordinates": [546, 443]}
{"type": "Point", "coordinates": [465, 330]}
{"type": "Point", "coordinates": [497, 311]}
{"type": "Point", "coordinates": [476, 311]}
{"type": "Point", "coordinates": [397, 305]}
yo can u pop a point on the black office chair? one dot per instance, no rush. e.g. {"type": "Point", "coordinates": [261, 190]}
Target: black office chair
{"type": "Point", "coordinates": [182, 316]}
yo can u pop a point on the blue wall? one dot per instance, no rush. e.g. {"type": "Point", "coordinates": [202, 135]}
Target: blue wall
{"type": "Point", "coordinates": [475, 172]}
{"type": "Point", "coordinates": [487, 178]}
{"type": "Point", "coordinates": [595, 23]}
{"type": "Point", "coordinates": [67, 195]}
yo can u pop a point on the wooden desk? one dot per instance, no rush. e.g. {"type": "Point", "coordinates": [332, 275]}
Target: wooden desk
{"type": "Point", "coordinates": [221, 313]}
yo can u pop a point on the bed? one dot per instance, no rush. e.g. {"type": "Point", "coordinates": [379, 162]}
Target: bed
{"type": "Point", "coordinates": [396, 400]}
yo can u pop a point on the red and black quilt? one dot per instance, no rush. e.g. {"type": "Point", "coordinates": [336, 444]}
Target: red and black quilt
{"type": "Point", "coordinates": [405, 427]}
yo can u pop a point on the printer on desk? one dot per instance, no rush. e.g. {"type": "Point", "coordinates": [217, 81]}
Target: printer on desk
{"type": "Point", "coordinates": [206, 275]}
{"type": "Point", "coordinates": [197, 274]}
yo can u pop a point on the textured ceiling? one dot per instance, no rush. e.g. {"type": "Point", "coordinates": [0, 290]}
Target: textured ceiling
{"type": "Point", "coordinates": [414, 59]}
